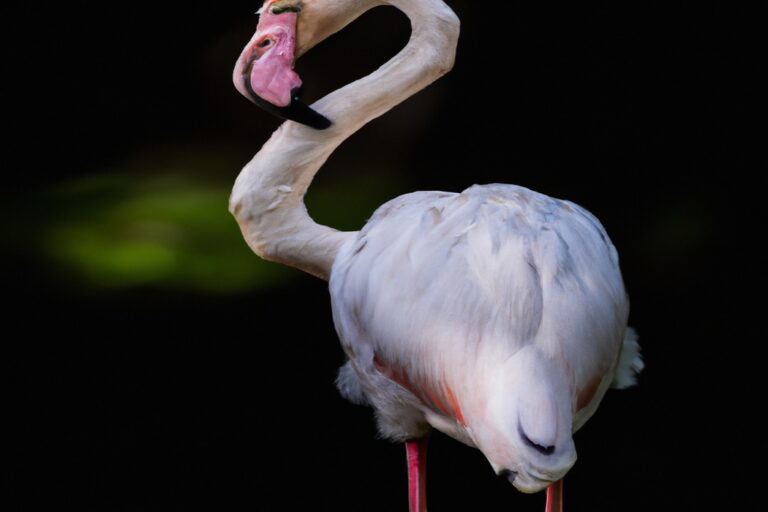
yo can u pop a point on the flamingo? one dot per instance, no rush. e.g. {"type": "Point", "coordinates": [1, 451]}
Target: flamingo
{"type": "Point", "coordinates": [497, 315]}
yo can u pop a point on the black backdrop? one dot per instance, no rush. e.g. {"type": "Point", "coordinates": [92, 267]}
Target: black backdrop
{"type": "Point", "coordinates": [160, 398]}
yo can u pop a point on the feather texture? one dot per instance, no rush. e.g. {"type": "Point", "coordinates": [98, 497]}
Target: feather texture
{"type": "Point", "coordinates": [494, 306]}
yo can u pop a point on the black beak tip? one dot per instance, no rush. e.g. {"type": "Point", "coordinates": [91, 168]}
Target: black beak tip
{"type": "Point", "coordinates": [301, 113]}
{"type": "Point", "coordinates": [296, 111]}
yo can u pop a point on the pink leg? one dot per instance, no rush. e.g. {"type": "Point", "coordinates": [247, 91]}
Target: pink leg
{"type": "Point", "coordinates": [416, 452]}
{"type": "Point", "coordinates": [555, 497]}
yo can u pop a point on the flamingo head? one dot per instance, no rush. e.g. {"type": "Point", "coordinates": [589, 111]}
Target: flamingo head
{"type": "Point", "coordinates": [264, 72]}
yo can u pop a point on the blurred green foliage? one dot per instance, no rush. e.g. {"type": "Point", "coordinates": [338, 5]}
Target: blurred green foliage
{"type": "Point", "coordinates": [162, 221]}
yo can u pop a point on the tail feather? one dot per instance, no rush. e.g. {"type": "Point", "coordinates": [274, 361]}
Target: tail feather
{"type": "Point", "coordinates": [630, 362]}
{"type": "Point", "coordinates": [349, 385]}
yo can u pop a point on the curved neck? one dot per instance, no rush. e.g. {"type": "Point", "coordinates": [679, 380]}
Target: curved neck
{"type": "Point", "coordinates": [268, 196]}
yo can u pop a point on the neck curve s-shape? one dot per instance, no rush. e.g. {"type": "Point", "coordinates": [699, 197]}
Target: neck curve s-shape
{"type": "Point", "coordinates": [268, 196]}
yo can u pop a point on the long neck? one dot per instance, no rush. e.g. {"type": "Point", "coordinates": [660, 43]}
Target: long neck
{"type": "Point", "coordinates": [268, 196]}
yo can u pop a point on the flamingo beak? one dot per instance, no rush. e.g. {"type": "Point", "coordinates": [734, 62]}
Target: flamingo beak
{"type": "Point", "coordinates": [264, 72]}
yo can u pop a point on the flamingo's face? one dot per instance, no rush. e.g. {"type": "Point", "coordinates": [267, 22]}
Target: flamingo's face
{"type": "Point", "coordinates": [264, 72]}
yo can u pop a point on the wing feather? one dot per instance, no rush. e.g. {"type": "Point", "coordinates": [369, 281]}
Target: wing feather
{"type": "Point", "coordinates": [435, 279]}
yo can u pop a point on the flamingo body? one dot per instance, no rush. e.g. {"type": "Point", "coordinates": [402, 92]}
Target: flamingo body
{"type": "Point", "coordinates": [480, 314]}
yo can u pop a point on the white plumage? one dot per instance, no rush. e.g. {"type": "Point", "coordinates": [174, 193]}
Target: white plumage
{"type": "Point", "coordinates": [501, 302]}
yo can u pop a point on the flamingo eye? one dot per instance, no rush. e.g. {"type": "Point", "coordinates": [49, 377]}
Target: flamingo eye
{"type": "Point", "coordinates": [265, 43]}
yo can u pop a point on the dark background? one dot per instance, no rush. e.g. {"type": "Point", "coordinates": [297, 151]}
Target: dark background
{"type": "Point", "coordinates": [153, 363]}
